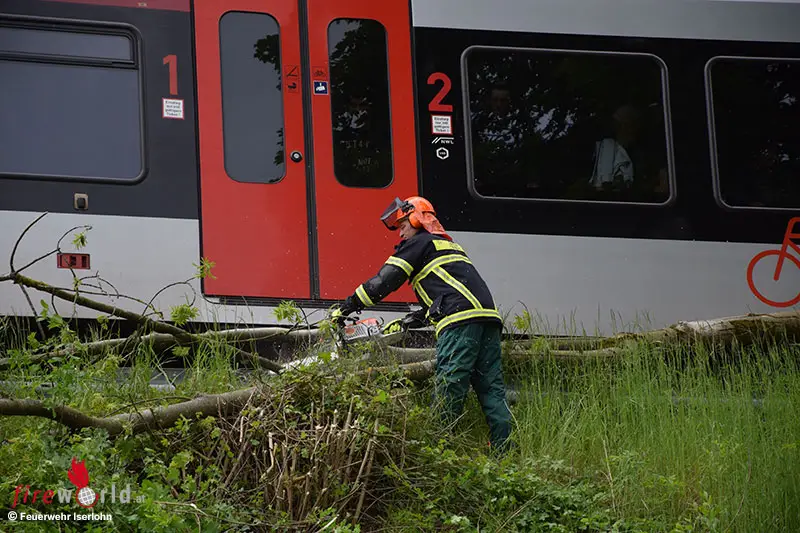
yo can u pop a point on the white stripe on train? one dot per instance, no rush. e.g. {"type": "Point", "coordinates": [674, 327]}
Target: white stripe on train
{"type": "Point", "coordinates": [601, 285]}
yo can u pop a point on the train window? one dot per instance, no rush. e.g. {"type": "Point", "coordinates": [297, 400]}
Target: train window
{"type": "Point", "coordinates": [755, 112]}
{"type": "Point", "coordinates": [359, 78]}
{"type": "Point", "coordinates": [66, 44]}
{"type": "Point", "coordinates": [76, 116]}
{"type": "Point", "coordinates": [252, 98]}
{"type": "Point", "coordinates": [567, 125]}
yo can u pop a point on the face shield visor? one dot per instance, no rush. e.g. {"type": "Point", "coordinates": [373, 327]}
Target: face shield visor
{"type": "Point", "coordinates": [392, 215]}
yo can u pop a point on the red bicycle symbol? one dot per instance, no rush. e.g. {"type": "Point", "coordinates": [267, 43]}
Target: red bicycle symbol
{"type": "Point", "coordinates": [782, 254]}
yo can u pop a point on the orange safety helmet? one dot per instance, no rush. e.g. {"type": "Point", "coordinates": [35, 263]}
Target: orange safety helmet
{"type": "Point", "coordinates": [418, 210]}
{"type": "Point", "coordinates": [412, 208]}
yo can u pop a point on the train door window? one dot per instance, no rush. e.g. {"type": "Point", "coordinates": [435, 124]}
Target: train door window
{"type": "Point", "coordinates": [71, 103]}
{"type": "Point", "coordinates": [755, 112]}
{"type": "Point", "coordinates": [359, 86]}
{"type": "Point", "coordinates": [252, 97]}
{"type": "Point", "coordinates": [568, 125]}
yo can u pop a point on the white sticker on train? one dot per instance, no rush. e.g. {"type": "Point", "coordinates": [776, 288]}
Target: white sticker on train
{"type": "Point", "coordinates": [173, 108]}
{"type": "Point", "coordinates": [442, 124]}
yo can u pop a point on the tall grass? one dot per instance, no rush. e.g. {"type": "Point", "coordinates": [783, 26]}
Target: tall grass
{"type": "Point", "coordinates": [683, 438]}
{"type": "Point", "coordinates": [675, 439]}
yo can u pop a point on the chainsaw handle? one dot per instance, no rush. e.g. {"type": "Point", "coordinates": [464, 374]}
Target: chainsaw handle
{"type": "Point", "coordinates": [338, 318]}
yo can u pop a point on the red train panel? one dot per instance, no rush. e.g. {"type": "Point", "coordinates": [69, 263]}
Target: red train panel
{"type": "Point", "coordinates": [257, 233]}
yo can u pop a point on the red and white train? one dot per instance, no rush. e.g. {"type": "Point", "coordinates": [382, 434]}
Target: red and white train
{"type": "Point", "coordinates": [602, 162]}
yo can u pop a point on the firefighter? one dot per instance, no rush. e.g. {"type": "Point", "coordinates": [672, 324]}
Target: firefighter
{"type": "Point", "coordinates": [456, 300]}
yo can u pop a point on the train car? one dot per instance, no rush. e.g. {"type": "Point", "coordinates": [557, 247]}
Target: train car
{"type": "Point", "coordinates": [607, 165]}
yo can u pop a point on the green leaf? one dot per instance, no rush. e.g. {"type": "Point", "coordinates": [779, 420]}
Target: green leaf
{"type": "Point", "coordinates": [182, 313]}
{"type": "Point", "coordinates": [287, 310]}
{"type": "Point", "coordinates": [80, 240]}
{"type": "Point", "coordinates": [180, 351]}
{"type": "Point", "coordinates": [381, 397]}
{"type": "Point", "coordinates": [204, 269]}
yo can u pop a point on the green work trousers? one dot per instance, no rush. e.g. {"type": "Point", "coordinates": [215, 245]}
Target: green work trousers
{"type": "Point", "coordinates": [471, 354]}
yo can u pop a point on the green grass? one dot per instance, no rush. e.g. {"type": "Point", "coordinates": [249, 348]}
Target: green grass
{"type": "Point", "coordinates": [674, 440]}
{"type": "Point", "coordinates": [686, 437]}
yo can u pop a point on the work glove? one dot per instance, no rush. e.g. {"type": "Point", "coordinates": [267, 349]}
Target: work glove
{"type": "Point", "coordinates": [417, 319]}
{"type": "Point", "coordinates": [393, 327]}
{"type": "Point", "coordinates": [350, 305]}
{"type": "Point", "coordinates": [337, 317]}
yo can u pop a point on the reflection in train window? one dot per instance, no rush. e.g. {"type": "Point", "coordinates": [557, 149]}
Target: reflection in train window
{"type": "Point", "coordinates": [567, 125]}
{"type": "Point", "coordinates": [71, 117]}
{"type": "Point", "coordinates": [756, 112]}
{"type": "Point", "coordinates": [359, 89]}
{"type": "Point", "coordinates": [252, 101]}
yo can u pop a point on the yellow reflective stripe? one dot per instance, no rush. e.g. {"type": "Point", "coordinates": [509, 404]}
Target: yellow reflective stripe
{"type": "Point", "coordinates": [464, 315]}
{"type": "Point", "coordinates": [457, 285]}
{"type": "Point", "coordinates": [424, 295]}
{"type": "Point", "coordinates": [447, 245]}
{"type": "Point", "coordinates": [363, 296]}
{"type": "Point", "coordinates": [401, 263]}
{"type": "Point", "coordinates": [439, 261]}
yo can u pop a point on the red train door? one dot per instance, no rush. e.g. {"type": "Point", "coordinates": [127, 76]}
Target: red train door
{"type": "Point", "coordinates": [364, 137]}
{"type": "Point", "coordinates": [288, 213]}
{"type": "Point", "coordinates": [254, 222]}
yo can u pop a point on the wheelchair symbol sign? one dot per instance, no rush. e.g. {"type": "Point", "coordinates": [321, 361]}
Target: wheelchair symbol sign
{"type": "Point", "coordinates": [320, 87]}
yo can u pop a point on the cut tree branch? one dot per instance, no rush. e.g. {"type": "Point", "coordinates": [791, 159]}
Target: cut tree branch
{"type": "Point", "coordinates": [19, 240]}
{"type": "Point", "coordinates": [164, 341]}
{"type": "Point", "coordinates": [165, 417]}
{"type": "Point", "coordinates": [161, 327]}
{"type": "Point", "coordinates": [149, 419]}
{"type": "Point", "coordinates": [181, 336]}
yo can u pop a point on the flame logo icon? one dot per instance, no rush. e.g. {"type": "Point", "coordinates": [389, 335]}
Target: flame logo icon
{"type": "Point", "coordinates": [84, 495]}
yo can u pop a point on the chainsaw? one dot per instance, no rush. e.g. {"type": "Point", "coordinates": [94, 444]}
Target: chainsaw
{"type": "Point", "coordinates": [369, 330]}
{"type": "Point", "coordinates": [349, 331]}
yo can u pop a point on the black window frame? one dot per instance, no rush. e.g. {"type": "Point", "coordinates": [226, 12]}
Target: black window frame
{"type": "Point", "coordinates": [712, 133]}
{"type": "Point", "coordinates": [136, 64]}
{"type": "Point", "coordinates": [282, 98]}
{"type": "Point", "coordinates": [468, 147]}
{"type": "Point", "coordinates": [391, 146]}
{"type": "Point", "coordinates": [68, 56]}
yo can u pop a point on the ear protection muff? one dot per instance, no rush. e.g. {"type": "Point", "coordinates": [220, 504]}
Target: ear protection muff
{"type": "Point", "coordinates": [412, 208]}
{"type": "Point", "coordinates": [409, 211]}
{"type": "Point", "coordinates": [414, 219]}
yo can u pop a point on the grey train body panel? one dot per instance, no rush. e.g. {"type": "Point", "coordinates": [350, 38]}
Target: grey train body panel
{"type": "Point", "coordinates": [736, 20]}
{"type": "Point", "coordinates": [570, 285]}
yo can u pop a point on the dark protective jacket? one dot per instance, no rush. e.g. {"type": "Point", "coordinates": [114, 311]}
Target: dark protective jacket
{"type": "Point", "coordinates": [444, 280]}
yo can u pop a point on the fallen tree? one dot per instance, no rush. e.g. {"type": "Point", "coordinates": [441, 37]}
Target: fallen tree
{"type": "Point", "coordinates": [419, 364]}
{"type": "Point", "coordinates": [741, 329]}
{"type": "Point", "coordinates": [416, 364]}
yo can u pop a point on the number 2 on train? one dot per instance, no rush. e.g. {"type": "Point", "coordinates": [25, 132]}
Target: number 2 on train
{"type": "Point", "coordinates": [436, 103]}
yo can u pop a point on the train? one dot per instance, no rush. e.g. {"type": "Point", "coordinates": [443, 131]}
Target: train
{"type": "Point", "coordinates": [607, 165]}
